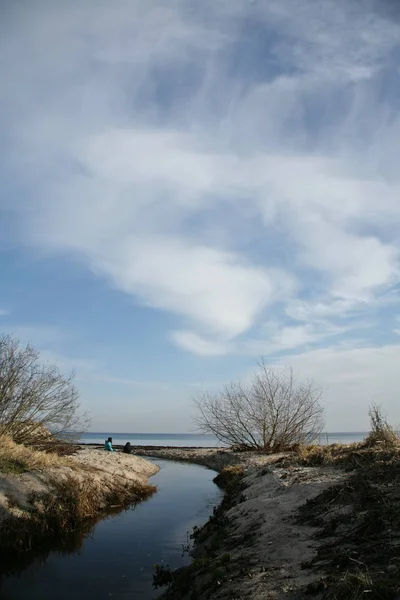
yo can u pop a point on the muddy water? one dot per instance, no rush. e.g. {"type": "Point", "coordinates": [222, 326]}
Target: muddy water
{"type": "Point", "coordinates": [116, 559]}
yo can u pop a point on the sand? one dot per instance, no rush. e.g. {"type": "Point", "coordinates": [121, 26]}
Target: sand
{"type": "Point", "coordinates": [103, 468]}
{"type": "Point", "coordinates": [116, 464]}
{"type": "Point", "coordinates": [265, 541]}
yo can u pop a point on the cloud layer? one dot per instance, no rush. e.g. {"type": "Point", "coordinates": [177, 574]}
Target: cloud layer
{"type": "Point", "coordinates": [233, 163]}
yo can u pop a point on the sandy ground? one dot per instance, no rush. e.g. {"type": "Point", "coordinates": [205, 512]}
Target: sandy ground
{"type": "Point", "coordinates": [266, 544]}
{"type": "Point", "coordinates": [101, 467]}
{"type": "Point", "coordinates": [116, 464]}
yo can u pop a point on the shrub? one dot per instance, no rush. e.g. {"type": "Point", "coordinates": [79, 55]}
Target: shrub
{"type": "Point", "coordinates": [382, 433]}
{"type": "Point", "coordinates": [273, 412]}
{"type": "Point", "coordinates": [37, 401]}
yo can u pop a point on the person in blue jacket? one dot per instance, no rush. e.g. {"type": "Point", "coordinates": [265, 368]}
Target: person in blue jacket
{"type": "Point", "coordinates": [108, 445]}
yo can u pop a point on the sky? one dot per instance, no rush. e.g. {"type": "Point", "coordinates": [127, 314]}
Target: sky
{"type": "Point", "coordinates": [188, 186]}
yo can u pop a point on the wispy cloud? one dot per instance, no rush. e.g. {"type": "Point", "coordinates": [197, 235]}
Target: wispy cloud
{"type": "Point", "coordinates": [232, 162]}
{"type": "Point", "coordinates": [36, 334]}
{"type": "Point", "coordinates": [352, 378]}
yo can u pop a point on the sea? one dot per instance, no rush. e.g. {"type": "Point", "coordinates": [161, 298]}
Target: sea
{"type": "Point", "coordinates": [199, 440]}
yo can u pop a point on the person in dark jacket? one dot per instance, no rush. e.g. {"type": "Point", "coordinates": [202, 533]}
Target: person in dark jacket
{"type": "Point", "coordinates": [127, 448]}
{"type": "Point", "coordinates": [108, 445]}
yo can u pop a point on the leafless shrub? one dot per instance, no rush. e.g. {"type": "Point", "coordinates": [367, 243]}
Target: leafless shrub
{"type": "Point", "coordinates": [37, 402]}
{"type": "Point", "coordinates": [273, 412]}
{"type": "Point", "coordinates": [382, 433]}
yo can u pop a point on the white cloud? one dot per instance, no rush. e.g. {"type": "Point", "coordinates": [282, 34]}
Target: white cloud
{"type": "Point", "coordinates": [189, 340]}
{"type": "Point", "coordinates": [214, 288]}
{"type": "Point", "coordinates": [136, 137]}
{"type": "Point", "coordinates": [276, 338]}
{"type": "Point", "coordinates": [352, 379]}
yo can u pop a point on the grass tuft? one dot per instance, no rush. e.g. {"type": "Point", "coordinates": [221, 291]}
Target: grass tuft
{"type": "Point", "coordinates": [229, 476]}
{"type": "Point", "coordinates": [12, 466]}
{"type": "Point", "coordinates": [382, 433]}
{"type": "Point", "coordinates": [32, 458]}
{"type": "Point", "coordinates": [359, 521]}
{"type": "Point", "coordinates": [357, 585]}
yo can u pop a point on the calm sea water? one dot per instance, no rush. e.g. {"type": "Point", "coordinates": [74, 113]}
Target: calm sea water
{"type": "Point", "coordinates": [153, 439]}
{"type": "Point", "coordinates": [195, 439]}
{"type": "Point", "coordinates": [116, 559]}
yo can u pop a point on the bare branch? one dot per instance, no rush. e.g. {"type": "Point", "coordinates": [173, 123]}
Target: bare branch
{"type": "Point", "coordinates": [272, 412]}
{"type": "Point", "coordinates": [35, 398]}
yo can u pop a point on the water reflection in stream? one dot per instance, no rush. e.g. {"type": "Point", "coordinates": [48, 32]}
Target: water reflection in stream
{"type": "Point", "coordinates": [116, 559]}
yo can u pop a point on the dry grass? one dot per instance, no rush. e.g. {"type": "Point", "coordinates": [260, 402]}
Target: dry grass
{"type": "Point", "coordinates": [359, 521]}
{"type": "Point", "coordinates": [352, 585]}
{"type": "Point", "coordinates": [382, 433]}
{"type": "Point", "coordinates": [329, 455]}
{"type": "Point", "coordinates": [75, 498]}
{"type": "Point", "coordinates": [31, 458]}
{"type": "Point", "coordinates": [73, 501]}
{"type": "Point", "coordinates": [71, 505]}
{"type": "Point", "coordinates": [229, 475]}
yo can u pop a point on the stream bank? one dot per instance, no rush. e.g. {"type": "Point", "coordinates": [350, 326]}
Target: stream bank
{"type": "Point", "coordinates": [322, 522]}
{"type": "Point", "coordinates": [116, 557]}
{"type": "Point", "coordinates": [43, 495]}
{"type": "Point", "coordinates": [253, 545]}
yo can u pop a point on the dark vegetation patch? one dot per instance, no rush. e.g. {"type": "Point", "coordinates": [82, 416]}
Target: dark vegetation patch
{"type": "Point", "coordinates": [11, 466]}
{"type": "Point", "coordinates": [359, 523]}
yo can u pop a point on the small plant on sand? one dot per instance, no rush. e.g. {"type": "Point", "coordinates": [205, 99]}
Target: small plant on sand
{"type": "Point", "coordinates": [229, 476]}
{"type": "Point", "coordinates": [12, 466]}
{"type": "Point", "coordinates": [355, 586]}
{"type": "Point", "coordinates": [382, 433]}
{"type": "Point", "coordinates": [225, 559]}
{"type": "Point", "coordinates": [162, 575]}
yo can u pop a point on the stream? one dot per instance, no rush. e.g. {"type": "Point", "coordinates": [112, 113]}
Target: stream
{"type": "Point", "coordinates": [116, 558]}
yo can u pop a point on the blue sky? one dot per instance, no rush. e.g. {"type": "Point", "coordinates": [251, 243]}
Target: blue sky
{"type": "Point", "coordinates": [186, 187]}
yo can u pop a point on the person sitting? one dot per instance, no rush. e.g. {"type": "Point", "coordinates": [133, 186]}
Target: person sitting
{"type": "Point", "coordinates": [127, 448]}
{"type": "Point", "coordinates": [108, 445]}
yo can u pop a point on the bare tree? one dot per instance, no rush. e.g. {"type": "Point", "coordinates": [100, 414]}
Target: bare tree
{"type": "Point", "coordinates": [272, 412]}
{"type": "Point", "coordinates": [35, 398]}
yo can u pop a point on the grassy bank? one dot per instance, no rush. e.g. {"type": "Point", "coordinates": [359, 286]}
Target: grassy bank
{"type": "Point", "coordinates": [320, 521]}
{"type": "Point", "coordinates": [44, 495]}
{"type": "Point", "coordinates": [358, 525]}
